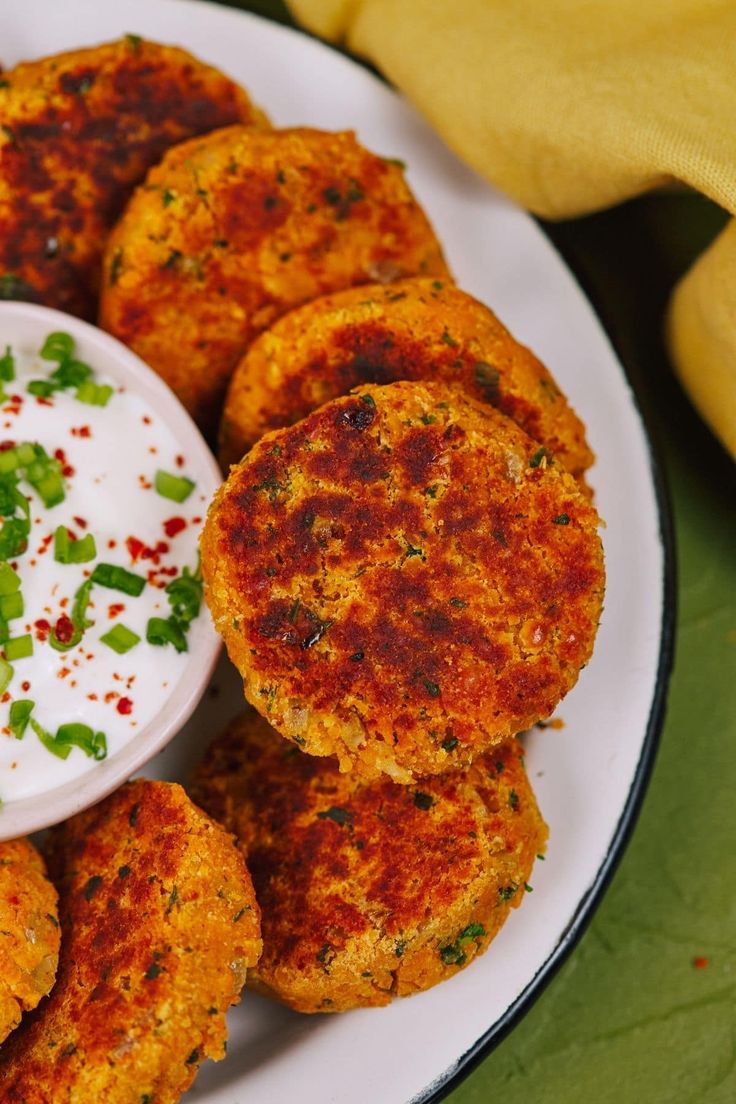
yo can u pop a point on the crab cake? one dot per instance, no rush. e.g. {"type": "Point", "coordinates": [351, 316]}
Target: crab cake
{"type": "Point", "coordinates": [370, 890]}
{"type": "Point", "coordinates": [404, 579]}
{"type": "Point", "coordinates": [160, 926]}
{"type": "Point", "coordinates": [78, 131]}
{"type": "Point", "coordinates": [415, 329]}
{"type": "Point", "coordinates": [253, 223]}
{"type": "Point", "coordinates": [29, 932]}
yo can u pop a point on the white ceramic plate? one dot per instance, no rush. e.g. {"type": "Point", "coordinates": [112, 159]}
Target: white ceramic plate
{"type": "Point", "coordinates": [589, 775]}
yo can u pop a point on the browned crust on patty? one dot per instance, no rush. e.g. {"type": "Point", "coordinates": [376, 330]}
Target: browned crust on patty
{"type": "Point", "coordinates": [403, 579]}
{"type": "Point", "coordinates": [370, 890]}
{"type": "Point", "coordinates": [258, 223]}
{"type": "Point", "coordinates": [159, 925]}
{"type": "Point", "coordinates": [415, 329]}
{"type": "Point", "coordinates": [79, 130]}
{"type": "Point", "coordinates": [29, 932]}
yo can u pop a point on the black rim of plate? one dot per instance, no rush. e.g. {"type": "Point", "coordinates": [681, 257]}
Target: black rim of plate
{"type": "Point", "coordinates": [586, 908]}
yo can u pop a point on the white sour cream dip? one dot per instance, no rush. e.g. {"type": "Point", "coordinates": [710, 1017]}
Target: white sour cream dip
{"type": "Point", "coordinates": [108, 457]}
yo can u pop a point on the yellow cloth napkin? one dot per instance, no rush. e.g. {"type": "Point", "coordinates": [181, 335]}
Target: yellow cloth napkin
{"type": "Point", "coordinates": [573, 105]}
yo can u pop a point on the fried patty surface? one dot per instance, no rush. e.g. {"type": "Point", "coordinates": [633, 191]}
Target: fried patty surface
{"type": "Point", "coordinates": [415, 329]}
{"type": "Point", "coordinates": [232, 230]}
{"type": "Point", "coordinates": [79, 130]}
{"type": "Point", "coordinates": [404, 579]}
{"type": "Point", "coordinates": [368, 889]}
{"type": "Point", "coordinates": [160, 926]}
{"type": "Point", "coordinates": [29, 932]}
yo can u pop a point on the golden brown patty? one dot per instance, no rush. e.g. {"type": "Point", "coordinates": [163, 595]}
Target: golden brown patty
{"type": "Point", "coordinates": [78, 131]}
{"type": "Point", "coordinates": [403, 579]}
{"type": "Point", "coordinates": [233, 230]}
{"type": "Point", "coordinates": [370, 890]}
{"type": "Point", "coordinates": [415, 329]}
{"type": "Point", "coordinates": [29, 932]}
{"type": "Point", "coordinates": [160, 926]}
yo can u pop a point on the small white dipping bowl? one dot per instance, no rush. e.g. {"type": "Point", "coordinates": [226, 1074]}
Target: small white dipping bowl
{"type": "Point", "coordinates": [23, 324]}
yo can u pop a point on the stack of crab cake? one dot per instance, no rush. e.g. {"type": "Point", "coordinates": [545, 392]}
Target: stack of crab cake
{"type": "Point", "coordinates": [406, 578]}
{"type": "Point", "coordinates": [404, 564]}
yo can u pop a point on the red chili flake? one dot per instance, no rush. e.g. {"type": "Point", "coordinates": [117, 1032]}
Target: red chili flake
{"type": "Point", "coordinates": [115, 610]}
{"type": "Point", "coordinates": [92, 697]}
{"type": "Point", "coordinates": [110, 696]}
{"type": "Point", "coordinates": [25, 686]}
{"type": "Point", "coordinates": [66, 469]}
{"type": "Point", "coordinates": [180, 461]}
{"type": "Point", "coordinates": [174, 525]}
{"type": "Point", "coordinates": [152, 449]}
{"type": "Point", "coordinates": [146, 420]}
{"type": "Point", "coordinates": [64, 629]}
{"type": "Point", "coordinates": [80, 522]}
{"type": "Point", "coordinates": [63, 672]}
{"type": "Point", "coordinates": [135, 548]}
{"type": "Point", "coordinates": [196, 520]}
{"type": "Point", "coordinates": [64, 603]}
{"type": "Point", "coordinates": [43, 628]}
{"type": "Point", "coordinates": [700, 962]}
{"type": "Point", "coordinates": [5, 445]}
{"type": "Point", "coordinates": [112, 544]}
{"type": "Point", "coordinates": [124, 706]}
{"type": "Point", "coordinates": [81, 431]}
{"type": "Point", "coordinates": [43, 402]}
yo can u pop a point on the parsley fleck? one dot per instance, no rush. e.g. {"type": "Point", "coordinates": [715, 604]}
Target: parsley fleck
{"type": "Point", "coordinates": [507, 892]}
{"type": "Point", "coordinates": [428, 419]}
{"type": "Point", "coordinates": [514, 799]}
{"type": "Point", "coordinates": [423, 800]}
{"type": "Point", "coordinates": [133, 815]}
{"type": "Point", "coordinates": [449, 744]}
{"type": "Point", "coordinates": [458, 603]}
{"type": "Point", "coordinates": [340, 816]}
{"type": "Point", "coordinates": [193, 1057]}
{"type": "Point", "coordinates": [487, 377]}
{"type": "Point", "coordinates": [92, 886]}
{"type": "Point", "coordinates": [167, 197]}
{"type": "Point", "coordinates": [153, 972]}
{"type": "Point", "coordinates": [115, 264]}
{"type": "Point", "coordinates": [538, 457]}
{"type": "Point", "coordinates": [400, 947]}
{"type": "Point", "coordinates": [561, 519]}
{"type": "Point", "coordinates": [432, 688]}
{"type": "Point", "coordinates": [123, 871]}
{"type": "Point", "coordinates": [449, 340]}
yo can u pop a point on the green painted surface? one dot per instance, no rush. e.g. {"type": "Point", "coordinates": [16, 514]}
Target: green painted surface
{"type": "Point", "coordinates": [630, 1018]}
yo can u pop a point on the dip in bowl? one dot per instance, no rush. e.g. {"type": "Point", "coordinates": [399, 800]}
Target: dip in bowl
{"type": "Point", "coordinates": [106, 645]}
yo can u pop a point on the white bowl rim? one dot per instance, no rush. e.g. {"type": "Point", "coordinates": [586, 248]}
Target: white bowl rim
{"type": "Point", "coordinates": [31, 814]}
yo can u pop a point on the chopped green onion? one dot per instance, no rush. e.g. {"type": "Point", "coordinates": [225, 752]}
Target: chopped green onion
{"type": "Point", "coordinates": [117, 578]}
{"type": "Point", "coordinates": [71, 373]}
{"type": "Point", "coordinates": [26, 453]}
{"type": "Point", "coordinates": [160, 631]}
{"type": "Point", "coordinates": [120, 638]}
{"type": "Point", "coordinates": [9, 579]}
{"type": "Point", "coordinates": [6, 674]}
{"type": "Point", "coordinates": [185, 595]}
{"type": "Point", "coordinates": [13, 538]}
{"type": "Point", "coordinates": [11, 606]}
{"type": "Point", "coordinates": [7, 365]}
{"type": "Point", "coordinates": [61, 751]}
{"type": "Point", "coordinates": [95, 394]}
{"type": "Point", "coordinates": [57, 346]}
{"type": "Point", "coordinates": [176, 487]}
{"type": "Point", "coordinates": [42, 389]}
{"type": "Point", "coordinates": [4, 631]}
{"type": "Point", "coordinates": [8, 460]}
{"type": "Point", "coordinates": [93, 744]}
{"type": "Point", "coordinates": [20, 714]}
{"type": "Point", "coordinates": [68, 551]}
{"type": "Point", "coordinates": [19, 647]}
